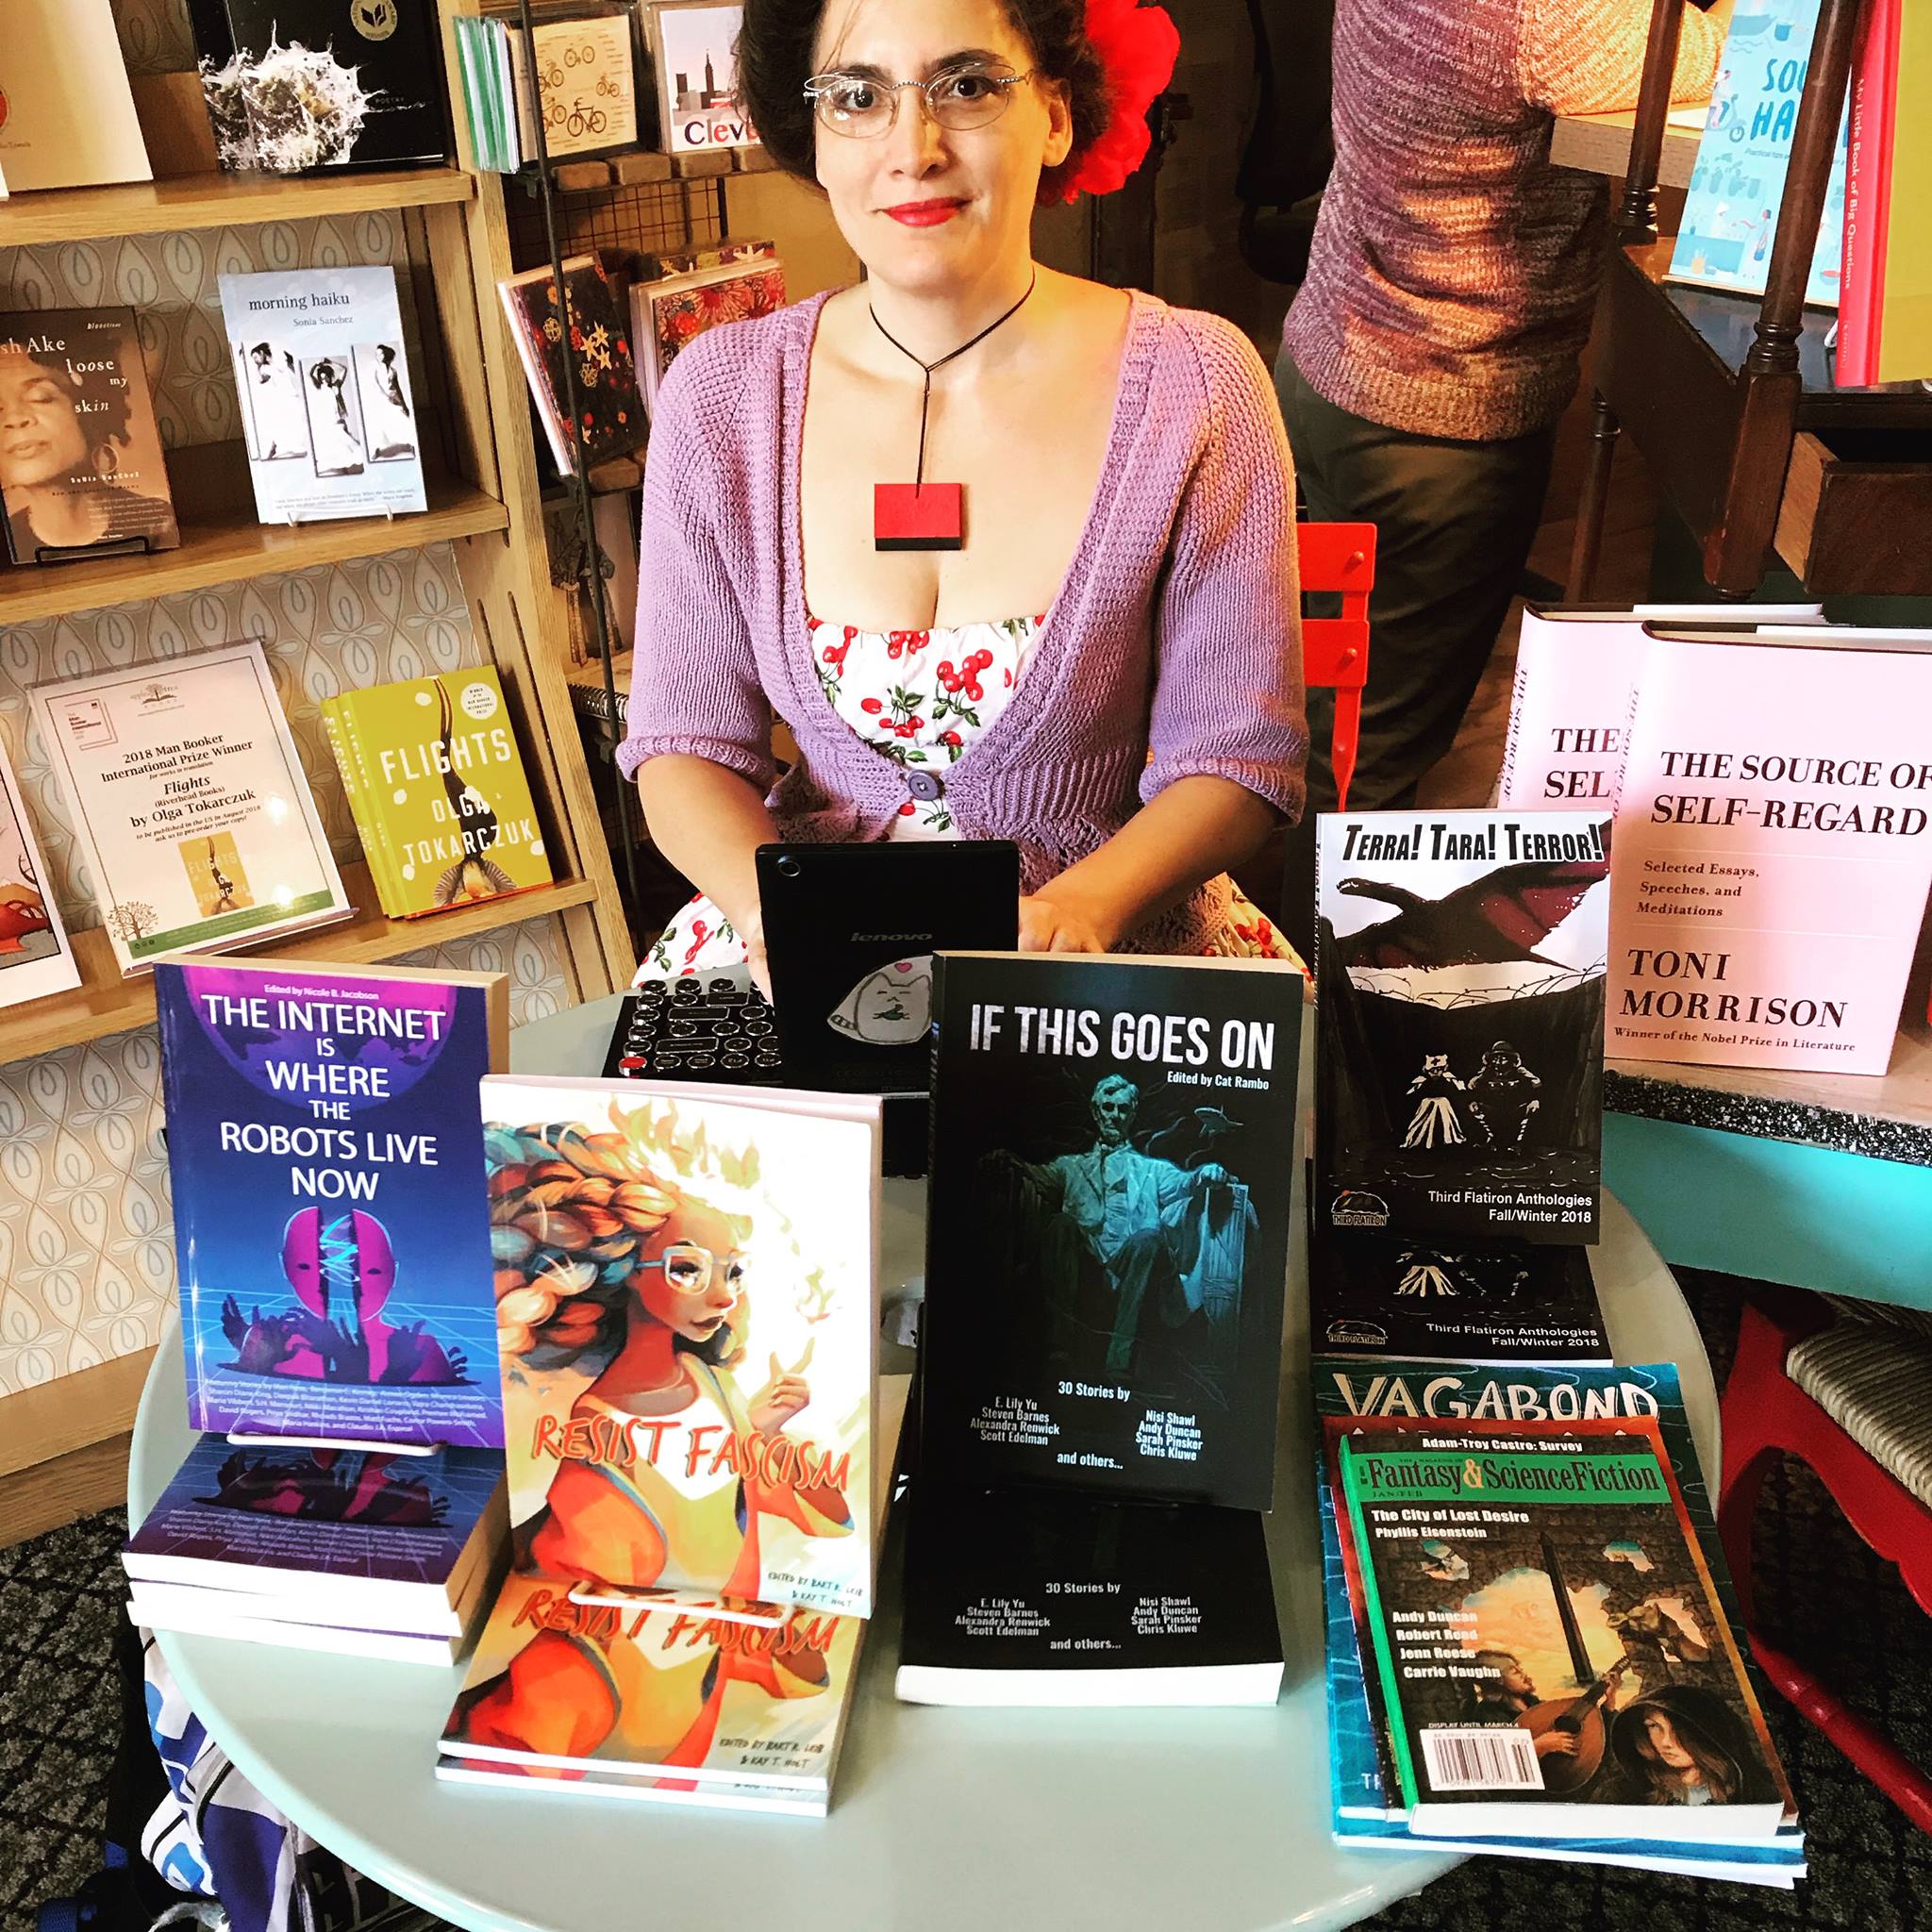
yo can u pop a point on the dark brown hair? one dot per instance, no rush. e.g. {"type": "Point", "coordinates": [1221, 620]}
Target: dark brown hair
{"type": "Point", "coordinates": [774, 61]}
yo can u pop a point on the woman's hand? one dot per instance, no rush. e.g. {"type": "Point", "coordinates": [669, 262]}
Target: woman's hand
{"type": "Point", "coordinates": [786, 1391]}
{"type": "Point", "coordinates": [1059, 922]}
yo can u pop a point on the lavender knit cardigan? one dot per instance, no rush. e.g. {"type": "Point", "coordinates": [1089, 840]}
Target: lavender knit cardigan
{"type": "Point", "coordinates": [1175, 630]}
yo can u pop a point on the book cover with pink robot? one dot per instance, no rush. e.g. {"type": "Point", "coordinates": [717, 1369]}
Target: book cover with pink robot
{"type": "Point", "coordinates": [330, 1216]}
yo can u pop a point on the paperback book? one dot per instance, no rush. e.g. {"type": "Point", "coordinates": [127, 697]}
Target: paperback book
{"type": "Point", "coordinates": [586, 80]}
{"type": "Point", "coordinates": [439, 791]}
{"type": "Point", "coordinates": [191, 814]}
{"type": "Point", "coordinates": [687, 1302]}
{"type": "Point", "coordinates": [668, 315]}
{"type": "Point", "coordinates": [35, 957]}
{"type": "Point", "coordinates": [1731, 211]}
{"type": "Point", "coordinates": [1486, 1300]}
{"type": "Point", "coordinates": [585, 331]}
{"type": "Point", "coordinates": [693, 45]}
{"type": "Point", "coordinates": [1766, 893]}
{"type": "Point", "coordinates": [328, 414]}
{"type": "Point", "coordinates": [1460, 958]}
{"type": "Point", "coordinates": [1113, 1143]}
{"type": "Point", "coordinates": [81, 467]}
{"type": "Point", "coordinates": [1021, 1597]}
{"type": "Point", "coordinates": [69, 118]}
{"type": "Point", "coordinates": [1479, 1551]}
{"type": "Point", "coordinates": [297, 85]}
{"type": "Point", "coordinates": [334, 1242]}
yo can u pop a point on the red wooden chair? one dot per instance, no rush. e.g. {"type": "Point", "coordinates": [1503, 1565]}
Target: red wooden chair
{"type": "Point", "coordinates": [1335, 650]}
{"type": "Point", "coordinates": [1874, 1374]}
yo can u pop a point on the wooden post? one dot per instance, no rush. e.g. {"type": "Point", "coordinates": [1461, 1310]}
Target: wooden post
{"type": "Point", "coordinates": [1637, 217]}
{"type": "Point", "coordinates": [1588, 538]}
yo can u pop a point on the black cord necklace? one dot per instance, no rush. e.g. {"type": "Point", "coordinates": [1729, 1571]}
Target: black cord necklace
{"type": "Point", "coordinates": [915, 515]}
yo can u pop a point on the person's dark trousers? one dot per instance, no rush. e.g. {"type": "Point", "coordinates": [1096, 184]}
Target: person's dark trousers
{"type": "Point", "coordinates": [1454, 524]}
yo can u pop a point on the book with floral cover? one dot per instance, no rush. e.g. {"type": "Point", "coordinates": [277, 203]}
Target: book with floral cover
{"type": "Point", "coordinates": [591, 337]}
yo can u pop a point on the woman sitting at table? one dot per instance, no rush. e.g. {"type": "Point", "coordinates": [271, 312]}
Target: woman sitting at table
{"type": "Point", "coordinates": [1010, 553]}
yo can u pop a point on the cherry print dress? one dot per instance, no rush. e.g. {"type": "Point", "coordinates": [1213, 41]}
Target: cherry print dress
{"type": "Point", "coordinates": [920, 697]}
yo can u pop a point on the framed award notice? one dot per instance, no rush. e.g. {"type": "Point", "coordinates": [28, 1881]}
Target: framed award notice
{"type": "Point", "coordinates": [190, 808]}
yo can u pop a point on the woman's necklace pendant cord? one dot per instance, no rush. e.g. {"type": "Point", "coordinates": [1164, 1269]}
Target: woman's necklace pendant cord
{"type": "Point", "coordinates": [920, 515]}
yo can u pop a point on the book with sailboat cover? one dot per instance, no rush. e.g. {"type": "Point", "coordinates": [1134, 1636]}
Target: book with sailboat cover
{"type": "Point", "coordinates": [1490, 1558]}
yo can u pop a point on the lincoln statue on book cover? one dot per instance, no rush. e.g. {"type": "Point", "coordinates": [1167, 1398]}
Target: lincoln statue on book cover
{"type": "Point", "coordinates": [1136, 1259]}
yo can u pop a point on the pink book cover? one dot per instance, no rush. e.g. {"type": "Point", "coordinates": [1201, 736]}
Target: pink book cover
{"type": "Point", "coordinates": [1771, 855]}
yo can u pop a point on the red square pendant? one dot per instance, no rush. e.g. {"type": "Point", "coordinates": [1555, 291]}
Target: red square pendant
{"type": "Point", "coordinates": [908, 516]}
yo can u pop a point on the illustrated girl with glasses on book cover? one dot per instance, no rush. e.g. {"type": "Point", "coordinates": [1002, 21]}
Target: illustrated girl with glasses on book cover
{"type": "Point", "coordinates": [1009, 552]}
{"type": "Point", "coordinates": [663, 1465]}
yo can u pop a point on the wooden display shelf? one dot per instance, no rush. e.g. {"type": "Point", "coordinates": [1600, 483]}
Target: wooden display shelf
{"type": "Point", "coordinates": [1600, 145]}
{"type": "Point", "coordinates": [54, 215]}
{"type": "Point", "coordinates": [106, 1002]}
{"type": "Point", "coordinates": [223, 540]}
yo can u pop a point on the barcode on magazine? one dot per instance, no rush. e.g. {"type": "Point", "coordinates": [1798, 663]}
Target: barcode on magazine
{"type": "Point", "coordinates": [1489, 1759]}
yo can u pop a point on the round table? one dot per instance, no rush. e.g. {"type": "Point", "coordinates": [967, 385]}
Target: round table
{"type": "Point", "coordinates": [942, 1820]}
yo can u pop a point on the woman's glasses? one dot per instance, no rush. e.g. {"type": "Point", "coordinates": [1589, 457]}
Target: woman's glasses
{"type": "Point", "coordinates": [960, 99]}
{"type": "Point", "coordinates": [690, 1268]}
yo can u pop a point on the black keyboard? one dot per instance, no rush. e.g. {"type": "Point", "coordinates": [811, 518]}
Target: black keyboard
{"type": "Point", "coordinates": [717, 1029]}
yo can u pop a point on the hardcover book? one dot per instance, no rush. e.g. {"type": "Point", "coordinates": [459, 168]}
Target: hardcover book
{"type": "Point", "coordinates": [1114, 1143]}
{"type": "Point", "coordinates": [69, 118]}
{"type": "Point", "coordinates": [693, 45]}
{"type": "Point", "coordinates": [334, 1242]}
{"type": "Point", "coordinates": [35, 957]}
{"type": "Point", "coordinates": [1014, 1597]}
{"type": "Point", "coordinates": [587, 79]}
{"type": "Point", "coordinates": [1391, 1295]}
{"type": "Point", "coordinates": [327, 411]}
{"type": "Point", "coordinates": [1549, 1646]}
{"type": "Point", "coordinates": [439, 791]}
{"type": "Point", "coordinates": [667, 316]}
{"type": "Point", "coordinates": [592, 337]}
{"type": "Point", "coordinates": [1460, 960]}
{"type": "Point", "coordinates": [297, 85]}
{"type": "Point", "coordinates": [1731, 214]}
{"type": "Point", "coordinates": [191, 813]}
{"type": "Point", "coordinates": [1767, 892]}
{"type": "Point", "coordinates": [80, 464]}
{"type": "Point", "coordinates": [687, 1308]}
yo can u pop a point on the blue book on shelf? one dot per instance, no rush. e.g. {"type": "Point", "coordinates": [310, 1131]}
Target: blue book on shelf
{"type": "Point", "coordinates": [331, 1215]}
{"type": "Point", "coordinates": [1730, 214]}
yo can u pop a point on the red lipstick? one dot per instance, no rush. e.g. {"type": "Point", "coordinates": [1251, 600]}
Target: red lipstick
{"type": "Point", "coordinates": [925, 214]}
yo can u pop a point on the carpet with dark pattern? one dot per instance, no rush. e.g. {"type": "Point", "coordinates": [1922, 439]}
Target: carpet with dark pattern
{"type": "Point", "coordinates": [1821, 1594]}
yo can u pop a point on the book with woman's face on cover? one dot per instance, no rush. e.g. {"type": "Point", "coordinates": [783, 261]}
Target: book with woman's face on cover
{"type": "Point", "coordinates": [80, 453]}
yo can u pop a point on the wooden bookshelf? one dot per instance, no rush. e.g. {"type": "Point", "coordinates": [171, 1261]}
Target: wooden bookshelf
{"type": "Point", "coordinates": [223, 540]}
{"type": "Point", "coordinates": [57, 215]}
{"type": "Point", "coordinates": [106, 1002]}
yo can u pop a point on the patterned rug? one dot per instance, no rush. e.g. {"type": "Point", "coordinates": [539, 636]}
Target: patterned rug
{"type": "Point", "coordinates": [1820, 1591]}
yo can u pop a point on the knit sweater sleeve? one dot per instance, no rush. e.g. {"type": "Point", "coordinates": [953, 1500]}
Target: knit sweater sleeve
{"type": "Point", "coordinates": [1227, 692]}
{"type": "Point", "coordinates": [1585, 57]}
{"type": "Point", "coordinates": [694, 678]}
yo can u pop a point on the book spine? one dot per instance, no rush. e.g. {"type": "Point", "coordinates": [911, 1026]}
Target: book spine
{"type": "Point", "coordinates": [537, 374]}
{"type": "Point", "coordinates": [343, 743]}
{"type": "Point", "coordinates": [1868, 195]}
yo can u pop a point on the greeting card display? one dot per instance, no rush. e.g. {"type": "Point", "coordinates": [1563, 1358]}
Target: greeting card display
{"type": "Point", "coordinates": [1462, 971]}
{"type": "Point", "coordinates": [667, 316]}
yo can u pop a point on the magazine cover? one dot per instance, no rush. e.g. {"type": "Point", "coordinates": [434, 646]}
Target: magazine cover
{"type": "Point", "coordinates": [354, 1515]}
{"type": "Point", "coordinates": [668, 316]}
{"type": "Point", "coordinates": [439, 790]}
{"type": "Point", "coordinates": [334, 1241]}
{"type": "Point", "coordinates": [687, 1310]}
{"type": "Point", "coordinates": [294, 85]}
{"type": "Point", "coordinates": [35, 957]}
{"type": "Point", "coordinates": [328, 414]}
{"type": "Point", "coordinates": [558, 1685]}
{"type": "Point", "coordinates": [1731, 214]}
{"type": "Point", "coordinates": [1460, 956]}
{"type": "Point", "coordinates": [80, 465]}
{"type": "Point", "coordinates": [1481, 1300]}
{"type": "Point", "coordinates": [1113, 1145]}
{"type": "Point", "coordinates": [593, 335]}
{"type": "Point", "coordinates": [694, 44]}
{"type": "Point", "coordinates": [1544, 1634]}
{"type": "Point", "coordinates": [192, 816]}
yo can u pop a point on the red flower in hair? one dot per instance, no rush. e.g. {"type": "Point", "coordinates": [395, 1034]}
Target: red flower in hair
{"type": "Point", "coordinates": [1137, 47]}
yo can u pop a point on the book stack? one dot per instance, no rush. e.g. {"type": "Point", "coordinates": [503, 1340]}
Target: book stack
{"type": "Point", "coordinates": [438, 792]}
{"type": "Point", "coordinates": [579, 64]}
{"type": "Point", "coordinates": [1764, 900]}
{"type": "Point", "coordinates": [347, 1493]}
{"type": "Point", "coordinates": [698, 1446]}
{"type": "Point", "coordinates": [1113, 1157]}
{"type": "Point", "coordinates": [681, 293]}
{"type": "Point", "coordinates": [1529, 1634]}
